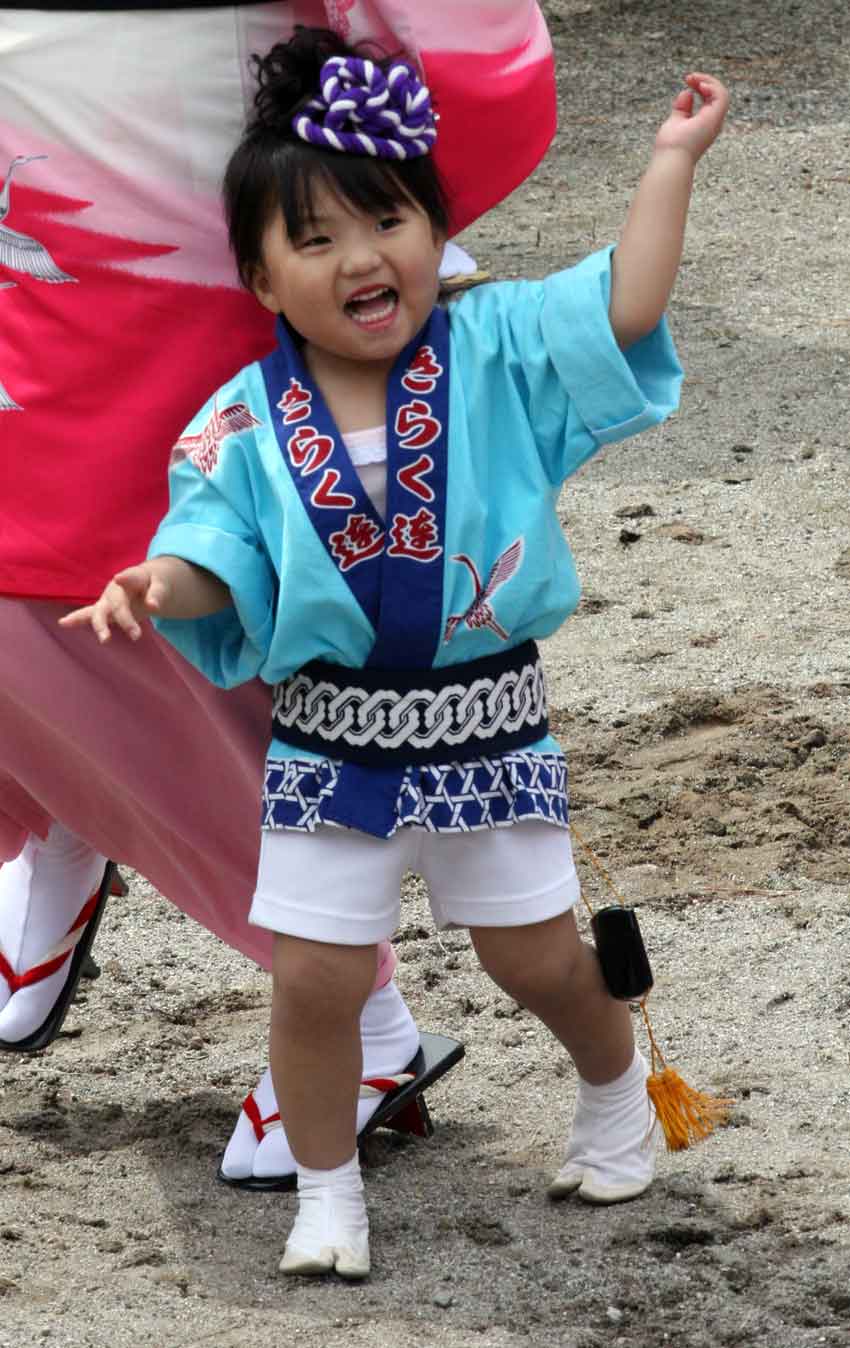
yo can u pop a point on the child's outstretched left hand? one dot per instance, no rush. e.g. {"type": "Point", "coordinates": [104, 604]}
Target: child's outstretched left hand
{"type": "Point", "coordinates": [693, 125]}
{"type": "Point", "coordinates": [130, 597]}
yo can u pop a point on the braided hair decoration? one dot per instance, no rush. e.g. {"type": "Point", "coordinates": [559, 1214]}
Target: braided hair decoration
{"type": "Point", "coordinates": [361, 109]}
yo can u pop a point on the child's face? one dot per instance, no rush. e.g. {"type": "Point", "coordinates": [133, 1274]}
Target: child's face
{"type": "Point", "coordinates": [355, 286]}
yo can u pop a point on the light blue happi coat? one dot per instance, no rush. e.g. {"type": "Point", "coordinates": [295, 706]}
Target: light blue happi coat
{"type": "Point", "coordinates": [537, 385]}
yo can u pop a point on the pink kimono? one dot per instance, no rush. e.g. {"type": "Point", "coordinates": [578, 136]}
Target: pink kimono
{"type": "Point", "coordinates": [119, 313]}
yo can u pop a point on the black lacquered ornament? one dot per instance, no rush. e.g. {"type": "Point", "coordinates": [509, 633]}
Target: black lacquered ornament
{"type": "Point", "coordinates": [622, 955]}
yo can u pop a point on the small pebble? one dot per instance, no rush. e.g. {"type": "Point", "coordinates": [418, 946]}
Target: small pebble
{"type": "Point", "coordinates": [518, 1188]}
{"type": "Point", "coordinates": [443, 1299]}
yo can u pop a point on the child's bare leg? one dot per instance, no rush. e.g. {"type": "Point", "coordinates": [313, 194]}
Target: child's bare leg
{"type": "Point", "coordinates": [314, 1050]}
{"type": "Point", "coordinates": [551, 971]}
{"type": "Point", "coordinates": [389, 1040]}
{"type": "Point", "coordinates": [610, 1155]}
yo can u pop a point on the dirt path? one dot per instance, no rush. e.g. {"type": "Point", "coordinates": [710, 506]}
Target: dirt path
{"type": "Point", "coordinates": [702, 694]}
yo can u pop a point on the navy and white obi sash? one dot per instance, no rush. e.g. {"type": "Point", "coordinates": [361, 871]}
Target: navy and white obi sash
{"type": "Point", "coordinates": [395, 571]}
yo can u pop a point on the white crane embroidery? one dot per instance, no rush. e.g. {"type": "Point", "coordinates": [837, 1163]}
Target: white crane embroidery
{"type": "Point", "coordinates": [21, 253]}
{"type": "Point", "coordinates": [204, 449]}
{"type": "Point", "coordinates": [480, 612]}
{"type": "Point", "coordinates": [7, 404]}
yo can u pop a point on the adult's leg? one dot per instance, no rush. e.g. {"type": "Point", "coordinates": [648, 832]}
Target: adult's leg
{"type": "Point", "coordinates": [41, 940]}
{"type": "Point", "coordinates": [120, 745]}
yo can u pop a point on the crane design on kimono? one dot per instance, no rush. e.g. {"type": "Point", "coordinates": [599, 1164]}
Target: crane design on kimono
{"type": "Point", "coordinates": [20, 253]}
{"type": "Point", "coordinates": [480, 612]}
{"type": "Point", "coordinates": [205, 448]}
{"type": "Point", "coordinates": [7, 404]}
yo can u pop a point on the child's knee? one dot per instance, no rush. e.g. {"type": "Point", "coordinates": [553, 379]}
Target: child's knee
{"type": "Point", "coordinates": [524, 959]}
{"type": "Point", "coordinates": [314, 979]}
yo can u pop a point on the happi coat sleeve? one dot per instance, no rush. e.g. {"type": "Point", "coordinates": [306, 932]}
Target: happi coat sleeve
{"type": "Point", "coordinates": [538, 386]}
{"type": "Point", "coordinates": [540, 358]}
{"type": "Point", "coordinates": [212, 522]}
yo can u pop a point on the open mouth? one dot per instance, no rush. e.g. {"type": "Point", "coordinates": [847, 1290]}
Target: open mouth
{"type": "Point", "coordinates": [372, 306]}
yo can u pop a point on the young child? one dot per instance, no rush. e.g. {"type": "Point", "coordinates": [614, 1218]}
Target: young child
{"type": "Point", "coordinates": [367, 520]}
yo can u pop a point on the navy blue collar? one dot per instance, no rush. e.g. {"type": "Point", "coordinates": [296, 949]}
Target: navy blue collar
{"type": "Point", "coordinates": [394, 567]}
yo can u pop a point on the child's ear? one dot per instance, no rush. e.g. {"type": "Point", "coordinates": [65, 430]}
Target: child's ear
{"type": "Point", "coordinates": [262, 288]}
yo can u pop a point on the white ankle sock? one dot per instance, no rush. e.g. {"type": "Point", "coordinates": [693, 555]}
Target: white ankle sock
{"type": "Point", "coordinates": [331, 1229]}
{"type": "Point", "coordinates": [390, 1039]}
{"type": "Point", "coordinates": [610, 1154]}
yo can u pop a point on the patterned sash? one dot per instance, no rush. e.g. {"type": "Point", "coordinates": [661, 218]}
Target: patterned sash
{"type": "Point", "coordinates": [381, 717]}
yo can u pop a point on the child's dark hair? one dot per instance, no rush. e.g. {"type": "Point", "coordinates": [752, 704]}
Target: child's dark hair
{"type": "Point", "coordinates": [271, 167]}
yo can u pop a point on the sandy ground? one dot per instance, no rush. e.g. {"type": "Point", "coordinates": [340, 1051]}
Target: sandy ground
{"type": "Point", "coordinates": [701, 693]}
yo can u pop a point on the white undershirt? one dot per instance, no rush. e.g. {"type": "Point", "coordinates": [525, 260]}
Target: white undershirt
{"type": "Point", "coordinates": [368, 452]}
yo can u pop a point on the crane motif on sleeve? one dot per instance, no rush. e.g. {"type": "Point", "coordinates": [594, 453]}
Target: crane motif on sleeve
{"type": "Point", "coordinates": [480, 612]}
{"type": "Point", "coordinates": [204, 449]}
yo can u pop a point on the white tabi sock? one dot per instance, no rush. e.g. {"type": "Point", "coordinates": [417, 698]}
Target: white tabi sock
{"type": "Point", "coordinates": [331, 1230]}
{"type": "Point", "coordinates": [390, 1040]}
{"type": "Point", "coordinates": [41, 894]}
{"type": "Point", "coordinates": [610, 1154]}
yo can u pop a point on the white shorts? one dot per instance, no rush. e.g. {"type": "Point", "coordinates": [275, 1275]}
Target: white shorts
{"type": "Point", "coordinates": [344, 887]}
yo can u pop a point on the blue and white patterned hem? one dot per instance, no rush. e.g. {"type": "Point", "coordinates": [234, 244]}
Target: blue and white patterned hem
{"type": "Point", "coordinates": [441, 798]}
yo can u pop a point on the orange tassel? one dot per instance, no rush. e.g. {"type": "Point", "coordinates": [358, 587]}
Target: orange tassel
{"type": "Point", "coordinates": [686, 1115]}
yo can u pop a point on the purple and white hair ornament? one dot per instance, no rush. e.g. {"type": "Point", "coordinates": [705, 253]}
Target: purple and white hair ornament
{"type": "Point", "coordinates": [360, 109]}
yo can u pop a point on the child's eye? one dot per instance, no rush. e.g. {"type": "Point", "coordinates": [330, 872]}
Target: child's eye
{"type": "Point", "coordinates": [388, 222]}
{"type": "Point", "coordinates": [315, 241]}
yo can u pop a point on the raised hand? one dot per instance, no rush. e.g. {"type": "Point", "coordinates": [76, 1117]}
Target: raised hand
{"type": "Point", "coordinates": [697, 116]}
{"type": "Point", "coordinates": [647, 257]}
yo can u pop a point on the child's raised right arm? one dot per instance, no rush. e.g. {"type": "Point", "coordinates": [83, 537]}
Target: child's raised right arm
{"type": "Point", "coordinates": [162, 587]}
{"type": "Point", "coordinates": [647, 257]}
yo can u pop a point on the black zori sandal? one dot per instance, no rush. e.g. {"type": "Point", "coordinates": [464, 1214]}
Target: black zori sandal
{"type": "Point", "coordinates": [402, 1109]}
{"type": "Point", "coordinates": [75, 946]}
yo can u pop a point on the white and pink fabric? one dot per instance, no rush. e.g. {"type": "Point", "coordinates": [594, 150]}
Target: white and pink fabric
{"type": "Point", "coordinates": [119, 312]}
{"type": "Point", "coordinates": [114, 132]}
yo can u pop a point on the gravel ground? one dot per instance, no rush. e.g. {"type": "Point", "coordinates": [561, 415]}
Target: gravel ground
{"type": "Point", "coordinates": [702, 695]}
